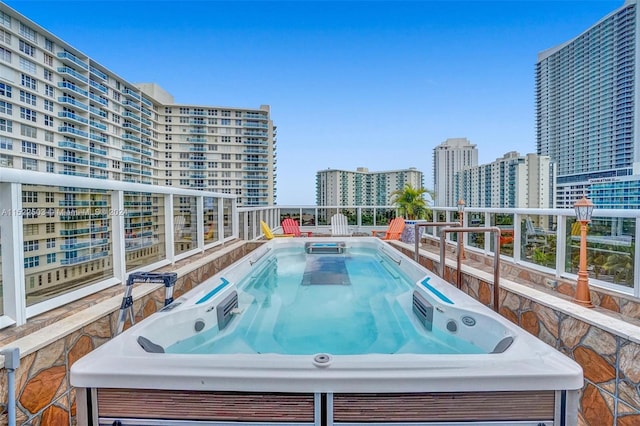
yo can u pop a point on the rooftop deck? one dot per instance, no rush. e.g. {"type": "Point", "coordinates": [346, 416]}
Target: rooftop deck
{"type": "Point", "coordinates": [195, 233]}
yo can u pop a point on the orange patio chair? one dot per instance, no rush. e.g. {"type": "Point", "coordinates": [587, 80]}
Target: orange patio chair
{"type": "Point", "coordinates": [396, 226]}
{"type": "Point", "coordinates": [290, 226]}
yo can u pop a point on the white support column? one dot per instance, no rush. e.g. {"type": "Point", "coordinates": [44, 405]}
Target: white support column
{"type": "Point", "coordinates": [168, 228]}
{"type": "Point", "coordinates": [235, 226]}
{"type": "Point", "coordinates": [119, 252]}
{"type": "Point", "coordinates": [200, 222]}
{"type": "Point", "coordinates": [517, 238]}
{"type": "Point", "coordinates": [13, 280]}
{"type": "Point", "coordinates": [636, 261]}
{"type": "Point", "coordinates": [561, 246]}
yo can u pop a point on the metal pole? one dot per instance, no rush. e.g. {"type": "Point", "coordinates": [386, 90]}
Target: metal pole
{"type": "Point", "coordinates": [416, 254]}
{"type": "Point", "coordinates": [496, 258]}
{"type": "Point", "coordinates": [11, 363]}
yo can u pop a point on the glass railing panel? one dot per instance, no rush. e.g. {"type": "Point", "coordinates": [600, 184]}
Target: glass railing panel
{"type": "Point", "coordinates": [144, 221]}
{"type": "Point", "coordinates": [538, 240]}
{"type": "Point", "coordinates": [351, 214]}
{"type": "Point", "coordinates": [210, 219]}
{"type": "Point", "coordinates": [324, 215]}
{"type": "Point", "coordinates": [610, 249]}
{"type": "Point", "coordinates": [184, 223]}
{"type": "Point", "coordinates": [383, 216]}
{"type": "Point", "coordinates": [67, 239]}
{"type": "Point", "coordinates": [367, 216]}
{"type": "Point", "coordinates": [308, 217]}
{"type": "Point", "coordinates": [227, 212]}
{"type": "Point", "coordinates": [454, 217]}
{"type": "Point", "coordinates": [291, 212]}
{"type": "Point", "coordinates": [476, 239]}
{"type": "Point", "coordinates": [504, 221]}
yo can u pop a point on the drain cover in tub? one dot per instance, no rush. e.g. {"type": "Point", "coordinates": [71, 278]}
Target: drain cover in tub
{"type": "Point", "coordinates": [326, 270]}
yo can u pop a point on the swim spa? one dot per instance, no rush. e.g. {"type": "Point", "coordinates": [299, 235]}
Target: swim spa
{"type": "Point", "coordinates": [320, 332]}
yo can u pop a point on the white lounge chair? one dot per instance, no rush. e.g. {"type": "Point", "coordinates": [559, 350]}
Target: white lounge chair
{"type": "Point", "coordinates": [534, 234]}
{"type": "Point", "coordinates": [340, 226]}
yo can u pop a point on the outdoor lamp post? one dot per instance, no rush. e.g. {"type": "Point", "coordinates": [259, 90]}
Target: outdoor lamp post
{"type": "Point", "coordinates": [461, 217]}
{"type": "Point", "coordinates": [584, 209]}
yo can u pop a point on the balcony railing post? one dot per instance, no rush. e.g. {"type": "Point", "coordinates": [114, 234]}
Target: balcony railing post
{"type": "Point", "coordinates": [561, 238]}
{"type": "Point", "coordinates": [636, 260]}
{"type": "Point", "coordinates": [200, 222]}
{"type": "Point", "coordinates": [517, 238]}
{"type": "Point", "coordinates": [169, 235]}
{"type": "Point", "coordinates": [14, 290]}
{"type": "Point", "coordinates": [118, 235]}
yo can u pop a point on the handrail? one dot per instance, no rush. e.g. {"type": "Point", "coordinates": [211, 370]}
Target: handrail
{"type": "Point", "coordinates": [496, 258]}
{"type": "Point", "coordinates": [398, 261]}
{"type": "Point", "coordinates": [417, 225]}
{"type": "Point", "coordinates": [254, 261]}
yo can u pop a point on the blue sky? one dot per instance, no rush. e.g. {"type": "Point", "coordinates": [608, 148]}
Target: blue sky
{"type": "Point", "coordinates": [350, 84]}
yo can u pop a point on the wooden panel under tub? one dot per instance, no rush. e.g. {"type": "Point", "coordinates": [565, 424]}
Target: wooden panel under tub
{"type": "Point", "coordinates": [203, 405]}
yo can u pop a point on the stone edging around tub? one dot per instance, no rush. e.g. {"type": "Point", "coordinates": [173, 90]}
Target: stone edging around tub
{"type": "Point", "coordinates": [591, 316]}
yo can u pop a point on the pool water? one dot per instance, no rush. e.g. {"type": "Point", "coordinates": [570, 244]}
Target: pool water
{"type": "Point", "coordinates": [344, 304]}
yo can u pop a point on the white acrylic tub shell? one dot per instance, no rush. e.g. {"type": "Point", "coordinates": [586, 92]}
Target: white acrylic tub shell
{"type": "Point", "coordinates": [527, 364]}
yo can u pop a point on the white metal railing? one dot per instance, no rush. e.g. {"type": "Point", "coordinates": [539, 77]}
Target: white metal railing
{"type": "Point", "coordinates": [540, 239]}
{"type": "Point", "coordinates": [64, 237]}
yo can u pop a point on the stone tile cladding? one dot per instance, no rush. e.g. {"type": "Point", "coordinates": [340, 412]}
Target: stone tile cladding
{"type": "Point", "coordinates": [44, 396]}
{"type": "Point", "coordinates": [611, 364]}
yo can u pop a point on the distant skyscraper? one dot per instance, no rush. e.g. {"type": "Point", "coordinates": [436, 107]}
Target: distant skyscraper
{"type": "Point", "coordinates": [513, 181]}
{"type": "Point", "coordinates": [586, 98]}
{"type": "Point", "coordinates": [450, 157]}
{"type": "Point", "coordinates": [362, 187]}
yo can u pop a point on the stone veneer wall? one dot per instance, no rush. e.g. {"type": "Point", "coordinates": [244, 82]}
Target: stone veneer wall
{"type": "Point", "coordinates": [44, 395]}
{"type": "Point", "coordinates": [610, 360]}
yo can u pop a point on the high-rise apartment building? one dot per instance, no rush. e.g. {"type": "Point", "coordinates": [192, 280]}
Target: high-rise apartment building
{"type": "Point", "coordinates": [587, 95]}
{"type": "Point", "coordinates": [513, 181]}
{"type": "Point", "coordinates": [362, 187]}
{"type": "Point", "coordinates": [450, 157]}
{"type": "Point", "coordinates": [62, 112]}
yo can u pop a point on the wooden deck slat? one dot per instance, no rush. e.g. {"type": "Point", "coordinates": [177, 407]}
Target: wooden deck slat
{"type": "Point", "coordinates": [497, 406]}
{"type": "Point", "coordinates": [200, 405]}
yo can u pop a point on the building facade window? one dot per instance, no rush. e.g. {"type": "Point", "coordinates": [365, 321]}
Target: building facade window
{"type": "Point", "coordinates": [6, 143]}
{"type": "Point", "coordinates": [5, 90]}
{"type": "Point", "coordinates": [29, 147]}
{"type": "Point", "coordinates": [6, 108]}
{"type": "Point", "coordinates": [29, 164]}
{"type": "Point", "coordinates": [5, 55]}
{"type": "Point", "coordinates": [27, 48]}
{"type": "Point", "coordinates": [28, 82]}
{"type": "Point", "coordinates": [28, 98]}
{"type": "Point", "coordinates": [5, 20]}
{"type": "Point", "coordinates": [27, 65]}
{"type": "Point", "coordinates": [28, 114]}
{"type": "Point", "coordinates": [6, 125]}
{"type": "Point", "coordinates": [28, 33]}
{"type": "Point", "coordinates": [31, 262]}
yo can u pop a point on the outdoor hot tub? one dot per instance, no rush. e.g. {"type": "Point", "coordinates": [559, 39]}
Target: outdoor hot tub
{"type": "Point", "coordinates": [312, 331]}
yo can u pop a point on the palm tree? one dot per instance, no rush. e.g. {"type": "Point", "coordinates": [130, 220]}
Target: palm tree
{"type": "Point", "coordinates": [411, 203]}
{"type": "Point", "coordinates": [621, 266]}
